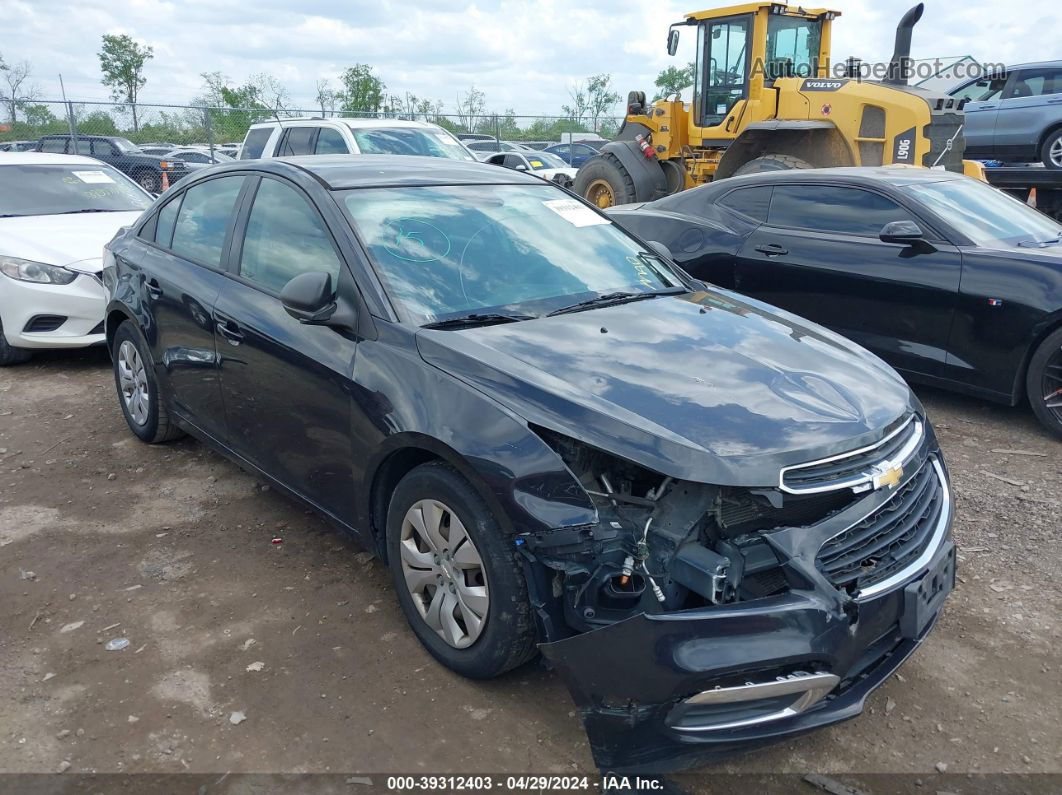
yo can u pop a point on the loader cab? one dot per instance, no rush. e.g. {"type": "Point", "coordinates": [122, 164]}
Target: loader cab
{"type": "Point", "coordinates": [743, 49]}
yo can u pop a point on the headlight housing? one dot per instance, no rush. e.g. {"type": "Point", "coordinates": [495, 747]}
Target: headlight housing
{"type": "Point", "coordinates": [25, 270]}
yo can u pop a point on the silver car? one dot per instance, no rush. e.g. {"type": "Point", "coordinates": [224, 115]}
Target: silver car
{"type": "Point", "coordinates": [1015, 115]}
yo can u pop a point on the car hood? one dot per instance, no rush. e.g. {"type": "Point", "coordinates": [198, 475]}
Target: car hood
{"type": "Point", "coordinates": [62, 239]}
{"type": "Point", "coordinates": [550, 173]}
{"type": "Point", "coordinates": [708, 386]}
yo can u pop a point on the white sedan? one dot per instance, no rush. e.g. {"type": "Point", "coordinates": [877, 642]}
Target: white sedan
{"type": "Point", "coordinates": [56, 212]}
{"type": "Point", "coordinates": [543, 164]}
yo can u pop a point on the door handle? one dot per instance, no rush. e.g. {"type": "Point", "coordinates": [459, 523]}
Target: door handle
{"type": "Point", "coordinates": [985, 107]}
{"type": "Point", "coordinates": [153, 290]}
{"type": "Point", "coordinates": [772, 250]}
{"type": "Point", "coordinates": [228, 329]}
{"type": "Point", "coordinates": [1054, 101]}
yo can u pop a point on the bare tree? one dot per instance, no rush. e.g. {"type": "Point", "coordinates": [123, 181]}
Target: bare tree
{"type": "Point", "coordinates": [580, 105]}
{"type": "Point", "coordinates": [600, 98]}
{"type": "Point", "coordinates": [269, 91]}
{"type": "Point", "coordinates": [326, 97]}
{"type": "Point", "coordinates": [17, 92]}
{"type": "Point", "coordinates": [470, 107]}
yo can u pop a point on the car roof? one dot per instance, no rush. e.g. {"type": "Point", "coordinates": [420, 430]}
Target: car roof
{"type": "Point", "coordinates": [46, 158]}
{"type": "Point", "coordinates": [355, 123]}
{"type": "Point", "coordinates": [1037, 65]}
{"type": "Point", "coordinates": [339, 172]}
{"type": "Point", "coordinates": [892, 175]}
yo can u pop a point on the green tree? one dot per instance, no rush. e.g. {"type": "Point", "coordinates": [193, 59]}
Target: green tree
{"type": "Point", "coordinates": [362, 92]}
{"type": "Point", "coordinates": [470, 106]}
{"type": "Point", "coordinates": [98, 123]}
{"type": "Point", "coordinates": [600, 98]}
{"type": "Point", "coordinates": [122, 63]}
{"type": "Point", "coordinates": [672, 80]}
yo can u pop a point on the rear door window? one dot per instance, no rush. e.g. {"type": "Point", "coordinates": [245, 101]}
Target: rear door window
{"type": "Point", "coordinates": [203, 220]}
{"type": "Point", "coordinates": [56, 145]}
{"type": "Point", "coordinates": [849, 211]}
{"type": "Point", "coordinates": [297, 141]}
{"type": "Point", "coordinates": [1035, 83]}
{"type": "Point", "coordinates": [84, 147]}
{"type": "Point", "coordinates": [166, 219]}
{"type": "Point", "coordinates": [750, 202]}
{"type": "Point", "coordinates": [330, 142]}
{"type": "Point", "coordinates": [255, 143]}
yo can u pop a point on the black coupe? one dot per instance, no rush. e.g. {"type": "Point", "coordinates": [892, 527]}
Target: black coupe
{"type": "Point", "coordinates": [951, 281]}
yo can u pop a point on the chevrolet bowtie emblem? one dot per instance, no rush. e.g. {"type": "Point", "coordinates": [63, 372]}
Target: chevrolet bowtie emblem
{"type": "Point", "coordinates": [887, 474]}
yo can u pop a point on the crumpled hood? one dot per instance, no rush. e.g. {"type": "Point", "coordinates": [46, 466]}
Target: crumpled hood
{"type": "Point", "coordinates": [62, 239]}
{"type": "Point", "coordinates": [708, 386]}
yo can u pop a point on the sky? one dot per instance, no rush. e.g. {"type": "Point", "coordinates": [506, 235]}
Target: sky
{"type": "Point", "coordinates": [523, 54]}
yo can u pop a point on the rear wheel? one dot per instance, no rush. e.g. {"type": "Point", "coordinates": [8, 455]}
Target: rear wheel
{"type": "Point", "coordinates": [152, 183]}
{"type": "Point", "coordinates": [604, 182]}
{"type": "Point", "coordinates": [1043, 382]}
{"type": "Point", "coordinates": [1051, 151]}
{"type": "Point", "coordinates": [772, 163]}
{"type": "Point", "coordinates": [9, 354]}
{"type": "Point", "coordinates": [456, 574]}
{"type": "Point", "coordinates": [139, 394]}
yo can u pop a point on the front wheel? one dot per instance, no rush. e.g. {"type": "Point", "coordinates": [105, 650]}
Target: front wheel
{"type": "Point", "coordinates": [10, 354]}
{"type": "Point", "coordinates": [1051, 151]}
{"type": "Point", "coordinates": [152, 183]}
{"type": "Point", "coordinates": [1043, 382]}
{"type": "Point", "coordinates": [457, 576]}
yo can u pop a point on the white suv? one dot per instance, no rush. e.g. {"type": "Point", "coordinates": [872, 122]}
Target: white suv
{"type": "Point", "coordinates": [288, 137]}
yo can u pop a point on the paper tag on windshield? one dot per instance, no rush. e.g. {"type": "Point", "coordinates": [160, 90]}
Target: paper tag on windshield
{"type": "Point", "coordinates": [575, 213]}
{"type": "Point", "coordinates": [92, 176]}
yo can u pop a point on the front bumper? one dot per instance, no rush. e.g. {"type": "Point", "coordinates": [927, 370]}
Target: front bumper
{"type": "Point", "coordinates": [666, 692]}
{"type": "Point", "coordinates": [81, 302]}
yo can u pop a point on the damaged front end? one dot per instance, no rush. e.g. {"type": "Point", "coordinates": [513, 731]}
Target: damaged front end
{"type": "Point", "coordinates": [694, 620]}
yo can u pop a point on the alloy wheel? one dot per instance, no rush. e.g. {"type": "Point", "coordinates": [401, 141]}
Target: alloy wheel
{"type": "Point", "coordinates": [133, 382]}
{"type": "Point", "coordinates": [444, 573]}
{"type": "Point", "coordinates": [1055, 153]}
{"type": "Point", "coordinates": [1051, 381]}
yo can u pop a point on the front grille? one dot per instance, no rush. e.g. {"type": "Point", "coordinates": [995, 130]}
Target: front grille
{"type": "Point", "coordinates": [856, 467]}
{"type": "Point", "coordinates": [888, 540]}
{"type": "Point", "coordinates": [41, 323]}
{"type": "Point", "coordinates": [942, 128]}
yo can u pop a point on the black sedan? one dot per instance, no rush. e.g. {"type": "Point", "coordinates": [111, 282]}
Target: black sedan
{"type": "Point", "coordinates": [952, 282]}
{"type": "Point", "coordinates": [723, 524]}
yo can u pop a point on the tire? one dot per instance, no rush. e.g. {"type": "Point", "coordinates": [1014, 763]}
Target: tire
{"type": "Point", "coordinates": [506, 636]}
{"type": "Point", "coordinates": [772, 163]}
{"type": "Point", "coordinates": [1051, 151]}
{"type": "Point", "coordinates": [604, 182]}
{"type": "Point", "coordinates": [152, 183]}
{"type": "Point", "coordinates": [1043, 382]}
{"type": "Point", "coordinates": [9, 354]}
{"type": "Point", "coordinates": [150, 423]}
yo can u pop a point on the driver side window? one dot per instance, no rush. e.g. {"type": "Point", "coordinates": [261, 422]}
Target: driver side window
{"type": "Point", "coordinates": [285, 237]}
{"type": "Point", "coordinates": [982, 90]}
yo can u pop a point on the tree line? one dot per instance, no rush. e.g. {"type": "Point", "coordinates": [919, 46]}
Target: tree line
{"type": "Point", "coordinates": [232, 107]}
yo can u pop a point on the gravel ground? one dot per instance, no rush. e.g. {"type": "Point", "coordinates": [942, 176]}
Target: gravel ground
{"type": "Point", "coordinates": [245, 655]}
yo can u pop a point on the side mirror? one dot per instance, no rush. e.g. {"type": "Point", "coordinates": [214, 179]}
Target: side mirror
{"type": "Point", "coordinates": [660, 249]}
{"type": "Point", "coordinates": [672, 41]}
{"type": "Point", "coordinates": [521, 167]}
{"type": "Point", "coordinates": [901, 232]}
{"type": "Point", "coordinates": [308, 297]}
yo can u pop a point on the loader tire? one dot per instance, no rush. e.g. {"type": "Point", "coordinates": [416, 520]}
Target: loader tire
{"type": "Point", "coordinates": [772, 163]}
{"type": "Point", "coordinates": [604, 182]}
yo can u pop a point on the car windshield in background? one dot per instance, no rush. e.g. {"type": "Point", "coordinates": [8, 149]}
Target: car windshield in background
{"type": "Point", "coordinates": [409, 141]}
{"type": "Point", "coordinates": [54, 190]}
{"type": "Point", "coordinates": [545, 160]}
{"type": "Point", "coordinates": [444, 252]}
{"type": "Point", "coordinates": [984, 214]}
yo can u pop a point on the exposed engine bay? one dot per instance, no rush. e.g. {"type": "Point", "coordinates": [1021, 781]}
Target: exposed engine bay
{"type": "Point", "coordinates": [663, 544]}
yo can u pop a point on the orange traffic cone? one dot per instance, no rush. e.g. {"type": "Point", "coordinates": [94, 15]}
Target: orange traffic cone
{"type": "Point", "coordinates": [1032, 198]}
{"type": "Point", "coordinates": [166, 182]}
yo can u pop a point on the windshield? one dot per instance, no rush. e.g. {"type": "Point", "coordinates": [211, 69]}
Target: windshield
{"type": "Point", "coordinates": [447, 251]}
{"type": "Point", "coordinates": [50, 190]}
{"type": "Point", "coordinates": [792, 46]}
{"type": "Point", "coordinates": [409, 141]}
{"type": "Point", "coordinates": [545, 160]}
{"type": "Point", "coordinates": [984, 214]}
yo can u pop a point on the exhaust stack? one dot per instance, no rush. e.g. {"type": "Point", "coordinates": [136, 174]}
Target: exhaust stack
{"type": "Point", "coordinates": [900, 65]}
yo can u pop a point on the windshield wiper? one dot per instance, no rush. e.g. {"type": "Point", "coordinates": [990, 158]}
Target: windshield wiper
{"type": "Point", "coordinates": [477, 319]}
{"type": "Point", "coordinates": [88, 210]}
{"type": "Point", "coordinates": [1031, 243]}
{"type": "Point", "coordinates": [608, 299]}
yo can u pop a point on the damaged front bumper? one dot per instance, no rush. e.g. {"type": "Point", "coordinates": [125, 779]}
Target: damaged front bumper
{"type": "Point", "coordinates": [665, 692]}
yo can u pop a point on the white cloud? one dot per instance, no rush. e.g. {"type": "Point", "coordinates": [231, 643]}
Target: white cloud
{"type": "Point", "coordinates": [524, 54]}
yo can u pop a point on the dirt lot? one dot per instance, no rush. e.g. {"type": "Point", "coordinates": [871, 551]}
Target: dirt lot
{"type": "Point", "coordinates": [103, 537]}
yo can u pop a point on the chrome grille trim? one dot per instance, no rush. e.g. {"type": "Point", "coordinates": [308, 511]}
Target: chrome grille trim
{"type": "Point", "coordinates": [865, 477]}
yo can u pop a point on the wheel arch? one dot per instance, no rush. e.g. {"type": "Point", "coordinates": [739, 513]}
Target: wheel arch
{"type": "Point", "coordinates": [650, 181]}
{"type": "Point", "coordinates": [819, 143]}
{"type": "Point", "coordinates": [1041, 332]}
{"type": "Point", "coordinates": [116, 315]}
{"type": "Point", "coordinates": [1050, 130]}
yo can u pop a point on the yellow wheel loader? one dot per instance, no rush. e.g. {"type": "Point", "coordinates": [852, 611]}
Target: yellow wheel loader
{"type": "Point", "coordinates": [765, 97]}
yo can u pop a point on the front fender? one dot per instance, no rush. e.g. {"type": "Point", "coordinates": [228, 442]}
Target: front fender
{"type": "Point", "coordinates": [650, 182]}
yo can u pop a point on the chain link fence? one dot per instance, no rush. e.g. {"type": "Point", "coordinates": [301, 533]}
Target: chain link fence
{"type": "Point", "coordinates": [220, 130]}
